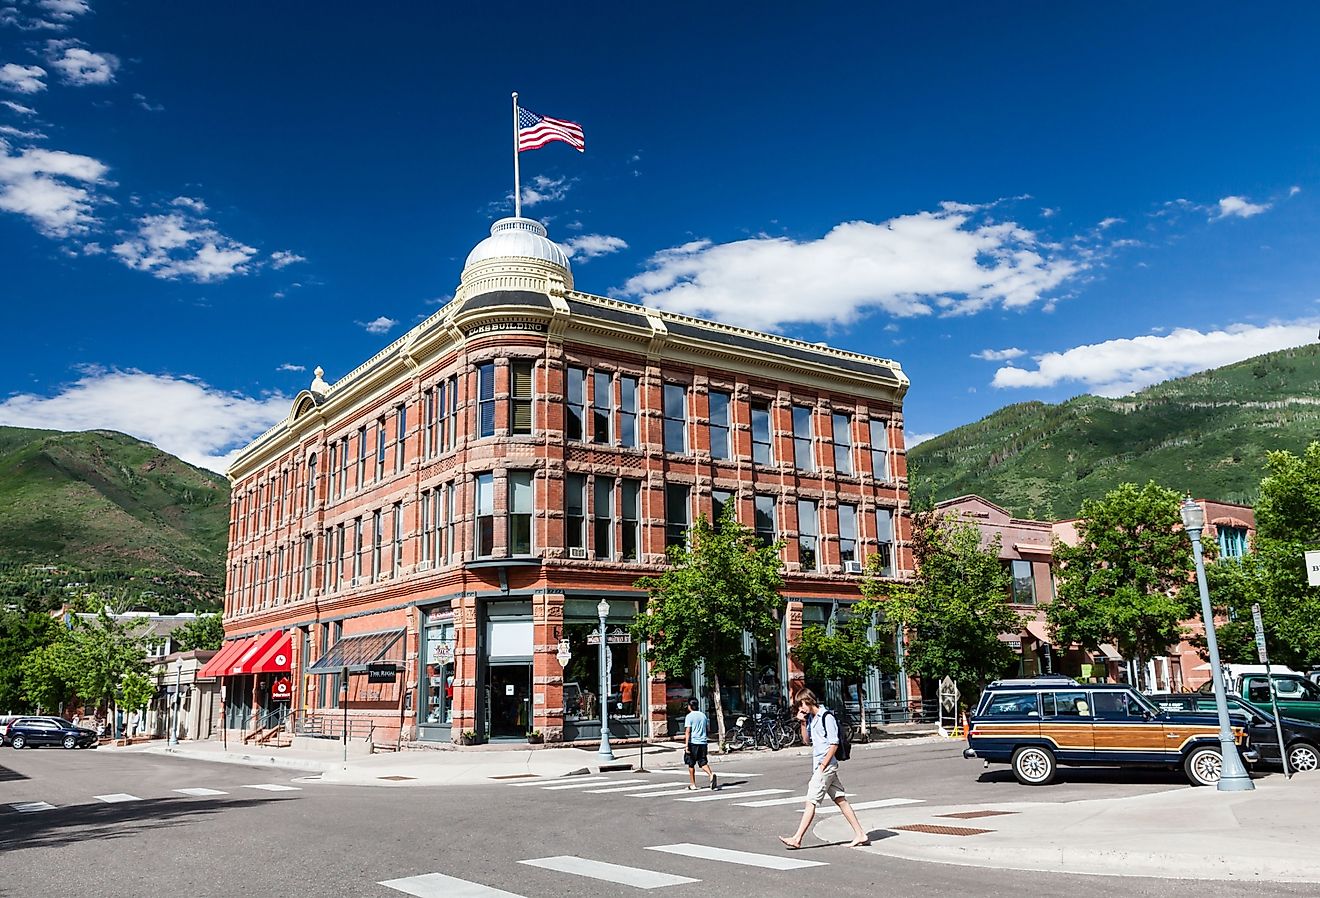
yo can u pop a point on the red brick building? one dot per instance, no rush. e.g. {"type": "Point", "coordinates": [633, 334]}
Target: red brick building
{"type": "Point", "coordinates": [461, 502]}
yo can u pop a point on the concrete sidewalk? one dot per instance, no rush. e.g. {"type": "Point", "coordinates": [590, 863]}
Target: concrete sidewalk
{"type": "Point", "coordinates": [465, 766]}
{"type": "Point", "coordinates": [1183, 833]}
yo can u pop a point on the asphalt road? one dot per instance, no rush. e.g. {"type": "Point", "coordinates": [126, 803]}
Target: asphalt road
{"type": "Point", "coordinates": [143, 836]}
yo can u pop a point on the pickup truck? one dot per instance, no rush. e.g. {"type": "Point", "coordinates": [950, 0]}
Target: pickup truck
{"type": "Point", "coordinates": [1297, 696]}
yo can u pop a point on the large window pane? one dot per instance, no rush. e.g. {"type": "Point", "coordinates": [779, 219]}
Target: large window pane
{"type": "Point", "coordinates": [601, 406]}
{"type": "Point", "coordinates": [720, 500]}
{"type": "Point", "coordinates": [884, 529]}
{"type": "Point", "coordinates": [575, 411]}
{"type": "Point", "coordinates": [761, 445]}
{"type": "Point", "coordinates": [879, 449]}
{"type": "Point", "coordinates": [808, 533]}
{"type": "Point", "coordinates": [677, 511]}
{"type": "Point", "coordinates": [802, 449]}
{"type": "Point", "coordinates": [603, 518]}
{"type": "Point", "coordinates": [575, 511]}
{"type": "Point", "coordinates": [627, 411]}
{"type": "Point", "coordinates": [675, 396]}
{"type": "Point", "coordinates": [719, 425]}
{"type": "Point", "coordinates": [631, 501]}
{"type": "Point", "coordinates": [847, 533]}
{"type": "Point", "coordinates": [485, 523]}
{"type": "Point", "coordinates": [842, 443]}
{"type": "Point", "coordinates": [1024, 586]}
{"type": "Point", "coordinates": [765, 520]}
{"type": "Point", "coordinates": [520, 401]}
{"type": "Point", "coordinates": [486, 399]}
{"type": "Point", "coordinates": [520, 512]}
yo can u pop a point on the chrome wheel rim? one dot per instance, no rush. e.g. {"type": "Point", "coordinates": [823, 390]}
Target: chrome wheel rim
{"type": "Point", "coordinates": [1033, 765]}
{"type": "Point", "coordinates": [1208, 766]}
{"type": "Point", "coordinates": [1303, 759]}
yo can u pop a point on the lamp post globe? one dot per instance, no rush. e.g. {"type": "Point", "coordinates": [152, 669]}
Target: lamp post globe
{"type": "Point", "coordinates": [605, 752]}
{"type": "Point", "coordinates": [1234, 776]}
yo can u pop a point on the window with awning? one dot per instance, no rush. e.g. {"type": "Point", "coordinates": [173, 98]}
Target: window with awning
{"type": "Point", "coordinates": [272, 653]}
{"type": "Point", "coordinates": [356, 652]}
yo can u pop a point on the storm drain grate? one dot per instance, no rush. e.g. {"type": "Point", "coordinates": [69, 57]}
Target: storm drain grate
{"type": "Point", "coordinates": [397, 779]}
{"type": "Point", "coordinates": [514, 776]}
{"type": "Point", "coordinates": [972, 815]}
{"type": "Point", "coordinates": [937, 830]}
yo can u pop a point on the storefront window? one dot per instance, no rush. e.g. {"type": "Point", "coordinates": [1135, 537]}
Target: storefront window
{"type": "Point", "coordinates": [439, 706]}
{"type": "Point", "coordinates": [582, 675]}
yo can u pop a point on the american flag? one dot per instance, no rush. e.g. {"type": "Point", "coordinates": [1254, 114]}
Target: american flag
{"type": "Point", "coordinates": [535, 131]}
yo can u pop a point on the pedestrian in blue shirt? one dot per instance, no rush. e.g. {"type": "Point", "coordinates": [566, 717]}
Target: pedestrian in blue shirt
{"type": "Point", "coordinates": [695, 729]}
{"type": "Point", "coordinates": [821, 730]}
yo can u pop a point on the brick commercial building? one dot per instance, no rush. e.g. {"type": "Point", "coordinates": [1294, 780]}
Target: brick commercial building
{"type": "Point", "coordinates": [461, 502]}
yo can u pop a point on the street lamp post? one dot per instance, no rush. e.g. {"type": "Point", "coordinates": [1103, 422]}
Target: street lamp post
{"type": "Point", "coordinates": [1233, 776]}
{"type": "Point", "coordinates": [605, 752]}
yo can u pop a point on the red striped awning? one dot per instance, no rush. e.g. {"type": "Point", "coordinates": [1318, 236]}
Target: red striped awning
{"type": "Point", "coordinates": [219, 665]}
{"type": "Point", "coordinates": [273, 653]}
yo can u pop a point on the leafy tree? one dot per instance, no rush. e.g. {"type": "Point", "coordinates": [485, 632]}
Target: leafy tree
{"type": "Point", "coordinates": [136, 689]}
{"type": "Point", "coordinates": [107, 650]}
{"type": "Point", "coordinates": [957, 606]}
{"type": "Point", "coordinates": [20, 635]}
{"type": "Point", "coordinates": [721, 583]}
{"type": "Point", "coordinates": [50, 674]}
{"type": "Point", "coordinates": [844, 653]}
{"type": "Point", "coordinates": [206, 632]}
{"type": "Point", "coordinates": [1124, 582]}
{"type": "Point", "coordinates": [1273, 573]}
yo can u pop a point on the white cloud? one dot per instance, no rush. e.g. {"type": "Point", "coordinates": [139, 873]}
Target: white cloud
{"type": "Point", "coordinates": [188, 202]}
{"type": "Point", "coordinates": [1239, 207]}
{"type": "Point", "coordinates": [589, 246]}
{"type": "Point", "coordinates": [50, 188]}
{"type": "Point", "coordinates": [147, 104]}
{"type": "Point", "coordinates": [202, 425]}
{"type": "Point", "coordinates": [20, 134]}
{"type": "Point", "coordinates": [25, 79]}
{"type": "Point", "coordinates": [380, 325]}
{"type": "Point", "coordinates": [179, 245]}
{"type": "Point", "coordinates": [1294, 190]}
{"type": "Point", "coordinates": [915, 439]}
{"type": "Point", "coordinates": [10, 16]}
{"type": "Point", "coordinates": [282, 258]}
{"type": "Point", "coordinates": [289, 366]}
{"type": "Point", "coordinates": [543, 189]}
{"type": "Point", "coordinates": [80, 66]}
{"type": "Point", "coordinates": [999, 355]}
{"type": "Point", "coordinates": [1122, 366]}
{"type": "Point", "coordinates": [18, 107]}
{"type": "Point", "coordinates": [64, 10]}
{"type": "Point", "coordinates": [947, 261]}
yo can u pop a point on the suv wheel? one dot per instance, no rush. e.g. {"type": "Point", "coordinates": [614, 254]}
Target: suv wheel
{"type": "Point", "coordinates": [70, 742]}
{"type": "Point", "coordinates": [1303, 757]}
{"type": "Point", "coordinates": [1203, 765]}
{"type": "Point", "coordinates": [18, 742]}
{"type": "Point", "coordinates": [1034, 765]}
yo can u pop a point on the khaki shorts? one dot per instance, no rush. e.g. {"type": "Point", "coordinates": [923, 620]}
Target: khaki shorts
{"type": "Point", "coordinates": [824, 783]}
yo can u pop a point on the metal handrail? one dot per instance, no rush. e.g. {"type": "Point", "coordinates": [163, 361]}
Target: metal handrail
{"type": "Point", "coordinates": [330, 725]}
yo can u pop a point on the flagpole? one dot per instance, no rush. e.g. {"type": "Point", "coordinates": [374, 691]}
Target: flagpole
{"type": "Point", "coordinates": [517, 187]}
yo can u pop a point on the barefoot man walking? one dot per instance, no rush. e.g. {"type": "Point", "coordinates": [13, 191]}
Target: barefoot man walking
{"type": "Point", "coordinates": [821, 729]}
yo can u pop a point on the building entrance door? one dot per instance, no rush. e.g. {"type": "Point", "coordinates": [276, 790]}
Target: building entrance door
{"type": "Point", "coordinates": [510, 701]}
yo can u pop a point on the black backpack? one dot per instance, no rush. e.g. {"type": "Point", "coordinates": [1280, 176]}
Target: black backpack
{"type": "Point", "coordinates": [844, 751]}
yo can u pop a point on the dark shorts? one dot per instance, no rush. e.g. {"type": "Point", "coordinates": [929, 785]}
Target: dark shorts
{"type": "Point", "coordinates": [696, 755]}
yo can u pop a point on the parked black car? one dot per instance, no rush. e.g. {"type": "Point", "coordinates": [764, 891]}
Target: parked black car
{"type": "Point", "coordinates": [34, 731]}
{"type": "Point", "coordinates": [1300, 737]}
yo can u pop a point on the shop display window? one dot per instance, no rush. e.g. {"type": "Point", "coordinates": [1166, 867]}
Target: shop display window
{"type": "Point", "coordinates": [439, 707]}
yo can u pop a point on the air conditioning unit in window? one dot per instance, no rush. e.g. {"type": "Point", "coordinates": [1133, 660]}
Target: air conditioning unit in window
{"type": "Point", "coordinates": [852, 567]}
{"type": "Point", "coordinates": [423, 565]}
{"type": "Point", "coordinates": [577, 552]}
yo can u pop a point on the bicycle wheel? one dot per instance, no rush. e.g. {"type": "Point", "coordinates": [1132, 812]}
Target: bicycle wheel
{"type": "Point", "coordinates": [733, 739]}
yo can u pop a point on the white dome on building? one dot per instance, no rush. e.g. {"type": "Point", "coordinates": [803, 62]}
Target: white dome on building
{"type": "Point", "coordinates": [518, 238]}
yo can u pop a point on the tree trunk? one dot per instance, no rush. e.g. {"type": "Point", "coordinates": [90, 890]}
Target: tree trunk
{"type": "Point", "coordinates": [719, 709]}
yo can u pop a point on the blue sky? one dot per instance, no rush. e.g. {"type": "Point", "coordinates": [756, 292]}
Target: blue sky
{"type": "Point", "coordinates": [199, 204]}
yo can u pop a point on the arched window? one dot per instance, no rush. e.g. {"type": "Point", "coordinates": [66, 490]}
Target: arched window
{"type": "Point", "coordinates": [311, 481]}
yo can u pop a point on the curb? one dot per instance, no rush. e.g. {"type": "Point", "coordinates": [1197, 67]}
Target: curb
{"type": "Point", "coordinates": [245, 760]}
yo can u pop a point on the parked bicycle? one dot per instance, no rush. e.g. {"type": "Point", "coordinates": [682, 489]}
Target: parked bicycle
{"type": "Point", "coordinates": [762, 731]}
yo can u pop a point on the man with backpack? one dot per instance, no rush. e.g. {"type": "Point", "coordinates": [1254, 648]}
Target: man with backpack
{"type": "Point", "coordinates": [829, 745]}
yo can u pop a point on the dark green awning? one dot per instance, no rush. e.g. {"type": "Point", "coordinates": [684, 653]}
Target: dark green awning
{"type": "Point", "coordinates": [356, 652]}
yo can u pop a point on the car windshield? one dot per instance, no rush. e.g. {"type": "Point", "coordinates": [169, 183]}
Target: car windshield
{"type": "Point", "coordinates": [1145, 703]}
{"type": "Point", "coordinates": [60, 721]}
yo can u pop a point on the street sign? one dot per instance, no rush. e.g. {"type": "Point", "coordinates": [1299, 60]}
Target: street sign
{"type": "Point", "coordinates": [948, 695]}
{"type": "Point", "coordinates": [382, 673]}
{"type": "Point", "coordinates": [282, 689]}
{"type": "Point", "coordinates": [564, 655]}
{"type": "Point", "coordinates": [1313, 567]}
{"type": "Point", "coordinates": [617, 636]}
{"type": "Point", "coordinates": [1260, 635]}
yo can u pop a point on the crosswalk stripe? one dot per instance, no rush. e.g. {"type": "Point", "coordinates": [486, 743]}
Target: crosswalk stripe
{"type": "Point", "coordinates": [716, 796]}
{"type": "Point", "coordinates": [771, 802]}
{"type": "Point", "coordinates": [582, 783]}
{"type": "Point", "coordinates": [31, 807]}
{"type": "Point", "coordinates": [617, 787]}
{"type": "Point", "coordinates": [682, 771]}
{"type": "Point", "coordinates": [628, 876]}
{"type": "Point", "coordinates": [728, 855]}
{"type": "Point", "coordinates": [681, 791]}
{"type": "Point", "coordinates": [868, 805]}
{"type": "Point", "coordinates": [576, 779]}
{"type": "Point", "coordinates": [200, 793]}
{"type": "Point", "coordinates": [273, 787]}
{"type": "Point", "coordinates": [116, 797]}
{"type": "Point", "coordinates": [437, 885]}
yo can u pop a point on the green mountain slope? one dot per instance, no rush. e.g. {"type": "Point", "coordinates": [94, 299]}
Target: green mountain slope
{"type": "Point", "coordinates": [1206, 434]}
{"type": "Point", "coordinates": [99, 501]}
